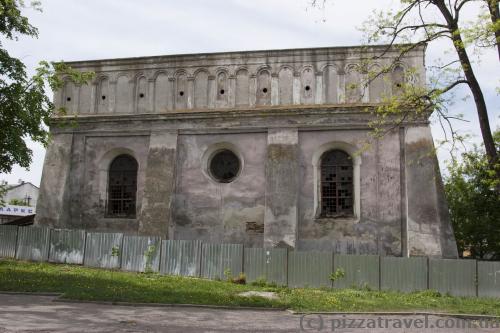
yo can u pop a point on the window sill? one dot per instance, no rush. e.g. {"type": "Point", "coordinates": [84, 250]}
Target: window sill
{"type": "Point", "coordinates": [340, 219]}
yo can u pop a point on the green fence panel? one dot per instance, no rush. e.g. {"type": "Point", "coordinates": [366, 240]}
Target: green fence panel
{"type": "Point", "coordinates": [403, 274]}
{"type": "Point", "coordinates": [100, 247]}
{"type": "Point", "coordinates": [359, 271]}
{"type": "Point", "coordinates": [67, 246]}
{"type": "Point", "coordinates": [217, 258]}
{"type": "Point", "coordinates": [180, 257]}
{"type": "Point", "coordinates": [141, 253]}
{"type": "Point", "coordinates": [267, 264]}
{"type": "Point", "coordinates": [33, 243]}
{"type": "Point", "coordinates": [488, 279]}
{"type": "Point", "coordinates": [8, 241]}
{"type": "Point", "coordinates": [309, 269]}
{"type": "Point", "coordinates": [454, 276]}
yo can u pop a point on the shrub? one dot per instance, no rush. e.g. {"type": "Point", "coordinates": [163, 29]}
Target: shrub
{"type": "Point", "coordinates": [240, 279]}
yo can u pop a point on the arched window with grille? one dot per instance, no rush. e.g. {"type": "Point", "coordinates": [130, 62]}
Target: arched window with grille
{"type": "Point", "coordinates": [336, 184]}
{"type": "Point", "coordinates": [122, 187]}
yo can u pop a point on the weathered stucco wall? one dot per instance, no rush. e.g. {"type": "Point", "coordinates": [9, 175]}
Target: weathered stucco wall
{"type": "Point", "coordinates": [220, 212]}
{"type": "Point", "coordinates": [89, 174]}
{"type": "Point", "coordinates": [278, 111]}
{"type": "Point", "coordinates": [376, 226]}
{"type": "Point", "coordinates": [429, 228]}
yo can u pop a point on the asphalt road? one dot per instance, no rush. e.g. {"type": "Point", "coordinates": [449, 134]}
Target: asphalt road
{"type": "Point", "coordinates": [27, 313]}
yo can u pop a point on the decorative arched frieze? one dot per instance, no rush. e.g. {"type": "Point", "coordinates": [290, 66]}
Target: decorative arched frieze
{"type": "Point", "coordinates": [242, 86]}
{"type": "Point", "coordinates": [330, 84]}
{"type": "Point", "coordinates": [103, 94]}
{"type": "Point", "coordinates": [141, 94]}
{"type": "Point", "coordinates": [285, 83]}
{"type": "Point", "coordinates": [353, 83]}
{"type": "Point", "coordinates": [308, 85]}
{"type": "Point", "coordinates": [201, 88]}
{"type": "Point", "coordinates": [181, 90]}
{"type": "Point", "coordinates": [222, 88]}
{"type": "Point", "coordinates": [263, 93]}
{"type": "Point", "coordinates": [123, 94]}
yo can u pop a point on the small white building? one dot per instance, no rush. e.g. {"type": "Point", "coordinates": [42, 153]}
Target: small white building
{"type": "Point", "coordinates": [19, 201]}
{"type": "Point", "coordinates": [23, 192]}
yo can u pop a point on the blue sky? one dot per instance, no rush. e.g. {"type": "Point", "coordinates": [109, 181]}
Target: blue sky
{"type": "Point", "coordinates": [92, 29]}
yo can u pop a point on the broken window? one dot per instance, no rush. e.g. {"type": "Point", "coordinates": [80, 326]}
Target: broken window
{"type": "Point", "coordinates": [224, 166]}
{"type": "Point", "coordinates": [336, 184]}
{"type": "Point", "coordinates": [122, 187]}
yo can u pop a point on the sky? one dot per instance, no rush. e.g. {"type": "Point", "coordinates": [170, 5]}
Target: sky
{"type": "Point", "coordinates": [98, 29]}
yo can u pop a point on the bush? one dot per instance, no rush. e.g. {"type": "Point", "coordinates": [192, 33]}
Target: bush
{"type": "Point", "coordinates": [240, 279]}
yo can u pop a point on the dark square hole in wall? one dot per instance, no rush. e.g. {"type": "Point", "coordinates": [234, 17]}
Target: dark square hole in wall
{"type": "Point", "coordinates": [264, 90]}
{"type": "Point", "coordinates": [181, 93]}
{"type": "Point", "coordinates": [141, 95]}
{"type": "Point", "coordinates": [308, 88]}
{"type": "Point", "coordinates": [68, 99]}
{"type": "Point", "coordinates": [222, 91]}
{"type": "Point", "coordinates": [103, 97]}
{"type": "Point", "coordinates": [255, 227]}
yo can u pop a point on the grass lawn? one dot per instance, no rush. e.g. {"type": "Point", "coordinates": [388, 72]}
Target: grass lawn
{"type": "Point", "coordinates": [83, 283]}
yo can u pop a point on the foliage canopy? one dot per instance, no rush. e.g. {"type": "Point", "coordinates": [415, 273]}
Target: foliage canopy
{"type": "Point", "coordinates": [25, 108]}
{"type": "Point", "coordinates": [474, 204]}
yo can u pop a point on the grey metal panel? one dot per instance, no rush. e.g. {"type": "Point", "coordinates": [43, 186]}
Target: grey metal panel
{"type": "Point", "coordinates": [216, 258]}
{"type": "Point", "coordinates": [141, 253]}
{"type": "Point", "coordinates": [268, 264]}
{"type": "Point", "coordinates": [403, 274]}
{"type": "Point", "coordinates": [488, 279]}
{"type": "Point", "coordinates": [67, 246]}
{"type": "Point", "coordinates": [454, 276]}
{"type": "Point", "coordinates": [360, 271]}
{"type": "Point", "coordinates": [99, 249]}
{"type": "Point", "coordinates": [33, 243]}
{"type": "Point", "coordinates": [8, 241]}
{"type": "Point", "coordinates": [180, 257]}
{"type": "Point", "coordinates": [310, 269]}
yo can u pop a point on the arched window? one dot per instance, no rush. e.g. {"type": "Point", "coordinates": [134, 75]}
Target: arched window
{"type": "Point", "coordinates": [336, 184]}
{"type": "Point", "coordinates": [122, 187]}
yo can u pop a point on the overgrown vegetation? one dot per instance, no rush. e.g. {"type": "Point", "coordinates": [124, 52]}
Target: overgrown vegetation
{"type": "Point", "coordinates": [338, 274]}
{"type": "Point", "coordinates": [241, 278]}
{"type": "Point", "coordinates": [25, 108]}
{"type": "Point", "coordinates": [84, 283]}
{"type": "Point", "coordinates": [474, 204]}
{"type": "Point", "coordinates": [17, 202]}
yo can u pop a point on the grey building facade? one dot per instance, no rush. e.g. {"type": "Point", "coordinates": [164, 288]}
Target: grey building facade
{"type": "Point", "coordinates": [263, 148]}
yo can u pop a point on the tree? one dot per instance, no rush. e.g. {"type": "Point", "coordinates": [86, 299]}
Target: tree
{"type": "Point", "coordinates": [17, 202]}
{"type": "Point", "coordinates": [417, 23]}
{"type": "Point", "coordinates": [25, 108]}
{"type": "Point", "coordinates": [474, 204]}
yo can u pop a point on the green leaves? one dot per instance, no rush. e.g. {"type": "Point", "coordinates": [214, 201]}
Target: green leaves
{"type": "Point", "coordinates": [12, 22]}
{"type": "Point", "coordinates": [474, 203]}
{"type": "Point", "coordinates": [25, 108]}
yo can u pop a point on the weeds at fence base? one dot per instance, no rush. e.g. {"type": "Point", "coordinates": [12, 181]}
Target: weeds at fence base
{"type": "Point", "coordinates": [91, 284]}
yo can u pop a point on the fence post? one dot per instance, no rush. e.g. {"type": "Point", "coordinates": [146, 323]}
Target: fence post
{"type": "Point", "coordinates": [477, 279]}
{"type": "Point", "coordinates": [428, 274]}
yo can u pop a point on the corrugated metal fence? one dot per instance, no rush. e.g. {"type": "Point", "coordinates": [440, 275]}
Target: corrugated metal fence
{"type": "Point", "coordinates": [277, 266]}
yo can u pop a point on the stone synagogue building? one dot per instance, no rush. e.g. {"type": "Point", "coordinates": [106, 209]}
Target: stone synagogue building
{"type": "Point", "coordinates": [262, 148]}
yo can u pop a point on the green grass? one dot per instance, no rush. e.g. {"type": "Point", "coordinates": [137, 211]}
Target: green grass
{"type": "Point", "coordinates": [84, 283]}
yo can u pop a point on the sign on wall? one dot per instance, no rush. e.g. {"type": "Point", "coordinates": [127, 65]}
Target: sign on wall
{"type": "Point", "coordinates": [17, 210]}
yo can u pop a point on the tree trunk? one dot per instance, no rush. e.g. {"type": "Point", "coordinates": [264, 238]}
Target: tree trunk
{"type": "Point", "coordinates": [495, 16]}
{"type": "Point", "coordinates": [482, 111]}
